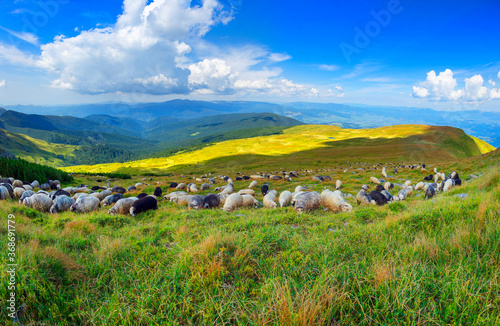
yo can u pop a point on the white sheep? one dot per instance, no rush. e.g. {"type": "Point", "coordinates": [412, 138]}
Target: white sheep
{"type": "Point", "coordinates": [253, 184]}
{"type": "Point", "coordinates": [247, 192]}
{"type": "Point", "coordinates": [419, 186]}
{"type": "Point", "coordinates": [338, 184]}
{"type": "Point", "coordinates": [27, 187]}
{"type": "Point", "coordinates": [181, 200]}
{"type": "Point", "coordinates": [193, 188]}
{"type": "Point", "coordinates": [249, 201]}
{"type": "Point", "coordinates": [285, 198]}
{"type": "Point", "coordinates": [171, 195]}
{"type": "Point", "coordinates": [61, 203]}
{"type": "Point", "coordinates": [17, 183]}
{"type": "Point", "coordinates": [18, 192]}
{"type": "Point", "coordinates": [122, 206]}
{"type": "Point", "coordinates": [228, 190]}
{"type": "Point", "coordinates": [363, 198]}
{"type": "Point", "coordinates": [181, 186]}
{"type": "Point", "coordinates": [374, 180]}
{"type": "Point", "coordinates": [4, 193]}
{"type": "Point", "coordinates": [35, 184]}
{"type": "Point", "coordinates": [270, 200]}
{"type": "Point", "coordinates": [300, 188]}
{"type": "Point", "coordinates": [307, 201]}
{"type": "Point", "coordinates": [26, 194]}
{"type": "Point", "coordinates": [233, 202]}
{"type": "Point", "coordinates": [86, 204]}
{"type": "Point", "coordinates": [334, 202]}
{"type": "Point", "coordinates": [384, 173]}
{"type": "Point", "coordinates": [40, 202]}
{"type": "Point", "coordinates": [448, 184]}
{"type": "Point", "coordinates": [204, 187]}
{"type": "Point", "coordinates": [407, 183]}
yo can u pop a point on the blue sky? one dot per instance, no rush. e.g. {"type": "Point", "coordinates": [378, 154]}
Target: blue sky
{"type": "Point", "coordinates": [442, 55]}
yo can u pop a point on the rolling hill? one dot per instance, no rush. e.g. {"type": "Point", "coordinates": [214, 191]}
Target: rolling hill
{"type": "Point", "coordinates": [311, 146]}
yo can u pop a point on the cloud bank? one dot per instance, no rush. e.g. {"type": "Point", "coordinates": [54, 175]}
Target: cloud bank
{"type": "Point", "coordinates": [443, 87]}
{"type": "Point", "coordinates": [153, 48]}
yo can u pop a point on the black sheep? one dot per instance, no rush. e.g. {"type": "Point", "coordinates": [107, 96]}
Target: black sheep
{"type": "Point", "coordinates": [95, 188]}
{"type": "Point", "coordinates": [458, 182]}
{"type": "Point", "coordinates": [119, 190]}
{"type": "Point", "coordinates": [239, 178]}
{"type": "Point", "coordinates": [60, 192]}
{"type": "Point", "coordinates": [430, 192]}
{"type": "Point", "coordinates": [173, 185]}
{"type": "Point", "coordinates": [158, 192]}
{"type": "Point", "coordinates": [378, 197]}
{"type": "Point", "coordinates": [53, 186]}
{"type": "Point", "coordinates": [429, 177]}
{"type": "Point", "coordinates": [144, 204]}
{"type": "Point", "coordinates": [226, 178]}
{"type": "Point", "coordinates": [245, 177]}
{"type": "Point", "coordinates": [395, 170]}
{"type": "Point", "coordinates": [379, 188]}
{"type": "Point", "coordinates": [131, 188]}
{"type": "Point", "coordinates": [264, 189]}
{"type": "Point", "coordinates": [211, 201]}
{"type": "Point", "coordinates": [142, 195]}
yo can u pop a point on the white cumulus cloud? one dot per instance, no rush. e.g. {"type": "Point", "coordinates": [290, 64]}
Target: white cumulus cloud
{"type": "Point", "coordinates": [2, 83]}
{"type": "Point", "coordinates": [443, 87]}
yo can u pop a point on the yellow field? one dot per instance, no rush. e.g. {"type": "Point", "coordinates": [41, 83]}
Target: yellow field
{"type": "Point", "coordinates": [293, 140]}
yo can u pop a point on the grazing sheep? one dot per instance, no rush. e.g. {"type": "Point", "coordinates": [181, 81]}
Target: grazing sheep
{"type": "Point", "coordinates": [407, 183]}
{"type": "Point", "coordinates": [384, 174]}
{"type": "Point", "coordinates": [173, 185]}
{"type": "Point", "coordinates": [294, 197]}
{"type": "Point", "coordinates": [249, 201]}
{"type": "Point", "coordinates": [378, 197]}
{"type": "Point", "coordinates": [204, 187]}
{"type": "Point", "coordinates": [338, 184]}
{"type": "Point", "coordinates": [264, 189]}
{"type": "Point", "coordinates": [379, 188]}
{"type": "Point", "coordinates": [365, 187]}
{"type": "Point", "coordinates": [430, 192]}
{"type": "Point", "coordinates": [270, 200]}
{"type": "Point", "coordinates": [78, 195]}
{"type": "Point", "coordinates": [85, 204]}
{"type": "Point", "coordinates": [61, 203]}
{"type": "Point", "coordinates": [192, 188]}
{"type": "Point", "coordinates": [119, 190]}
{"type": "Point", "coordinates": [4, 193]}
{"type": "Point", "coordinates": [122, 206]}
{"type": "Point", "coordinates": [402, 194]}
{"type": "Point", "coordinates": [458, 182]}
{"type": "Point", "coordinates": [181, 186]}
{"type": "Point", "coordinates": [95, 188]}
{"type": "Point", "coordinates": [318, 178]}
{"type": "Point", "coordinates": [253, 184]}
{"type": "Point", "coordinates": [300, 188]}
{"type": "Point", "coordinates": [334, 202]}
{"type": "Point", "coordinates": [285, 198]}
{"type": "Point", "coordinates": [45, 186]}
{"type": "Point", "coordinates": [363, 198]}
{"type": "Point", "coordinates": [17, 183]}
{"type": "Point", "coordinates": [9, 188]}
{"type": "Point", "coordinates": [26, 194]}
{"type": "Point", "coordinates": [40, 202]}
{"type": "Point", "coordinates": [233, 202]}
{"type": "Point", "coordinates": [419, 186]}
{"type": "Point", "coordinates": [387, 195]}
{"type": "Point", "coordinates": [256, 177]}
{"type": "Point", "coordinates": [174, 194]}
{"type": "Point", "coordinates": [181, 200]}
{"type": "Point", "coordinates": [131, 188]}
{"type": "Point", "coordinates": [111, 199]}
{"type": "Point", "coordinates": [143, 204]}
{"type": "Point", "coordinates": [374, 180]}
{"type": "Point", "coordinates": [98, 195]}
{"type": "Point", "coordinates": [211, 201]}
{"type": "Point", "coordinates": [18, 192]}
{"type": "Point", "coordinates": [448, 184]}
{"type": "Point", "coordinates": [275, 192]}
{"type": "Point", "coordinates": [228, 190]}
{"type": "Point", "coordinates": [195, 202]}
{"type": "Point", "coordinates": [247, 192]}
{"type": "Point", "coordinates": [307, 201]}
{"type": "Point", "coordinates": [142, 195]}
{"type": "Point", "coordinates": [435, 170]}
{"type": "Point", "coordinates": [158, 192]}
{"type": "Point", "coordinates": [35, 184]}
{"type": "Point", "coordinates": [27, 187]}
{"type": "Point", "coordinates": [429, 177]}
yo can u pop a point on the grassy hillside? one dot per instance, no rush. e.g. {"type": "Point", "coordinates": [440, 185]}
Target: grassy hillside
{"type": "Point", "coordinates": [417, 262]}
{"type": "Point", "coordinates": [314, 145]}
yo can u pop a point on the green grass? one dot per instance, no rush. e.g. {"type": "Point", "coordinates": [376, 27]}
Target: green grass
{"type": "Point", "coordinates": [418, 262]}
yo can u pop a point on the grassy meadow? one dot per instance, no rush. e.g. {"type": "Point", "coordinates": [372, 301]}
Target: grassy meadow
{"type": "Point", "coordinates": [433, 262]}
{"type": "Point", "coordinates": [314, 146]}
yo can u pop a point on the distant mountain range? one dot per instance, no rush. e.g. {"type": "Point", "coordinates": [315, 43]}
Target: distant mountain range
{"type": "Point", "coordinates": [142, 116]}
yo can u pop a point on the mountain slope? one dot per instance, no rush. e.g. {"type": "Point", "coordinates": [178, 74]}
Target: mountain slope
{"type": "Point", "coordinates": [17, 122]}
{"type": "Point", "coordinates": [309, 145]}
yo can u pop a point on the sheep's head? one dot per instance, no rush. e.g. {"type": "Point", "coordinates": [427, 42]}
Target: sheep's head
{"type": "Point", "coordinates": [133, 211]}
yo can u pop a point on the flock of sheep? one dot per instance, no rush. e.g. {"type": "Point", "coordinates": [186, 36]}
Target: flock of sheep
{"type": "Point", "coordinates": [50, 197]}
